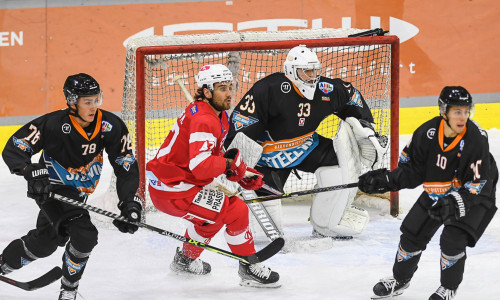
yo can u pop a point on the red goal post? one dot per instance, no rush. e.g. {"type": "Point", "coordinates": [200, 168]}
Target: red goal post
{"type": "Point", "coordinates": [152, 101]}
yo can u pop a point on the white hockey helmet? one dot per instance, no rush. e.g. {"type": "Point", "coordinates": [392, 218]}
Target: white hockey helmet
{"type": "Point", "coordinates": [302, 58]}
{"type": "Point", "coordinates": [211, 74]}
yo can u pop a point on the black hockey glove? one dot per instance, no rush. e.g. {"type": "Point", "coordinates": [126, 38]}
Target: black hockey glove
{"type": "Point", "coordinates": [376, 182]}
{"type": "Point", "coordinates": [449, 208]}
{"type": "Point", "coordinates": [132, 211]}
{"type": "Point", "coordinates": [37, 177]}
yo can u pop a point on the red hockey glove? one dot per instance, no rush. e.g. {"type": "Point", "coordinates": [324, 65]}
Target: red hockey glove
{"type": "Point", "coordinates": [235, 170]}
{"type": "Point", "coordinates": [254, 182]}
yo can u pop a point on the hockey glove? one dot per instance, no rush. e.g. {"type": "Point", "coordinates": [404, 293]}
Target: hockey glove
{"type": "Point", "coordinates": [449, 208]}
{"type": "Point", "coordinates": [132, 211]}
{"type": "Point", "coordinates": [37, 177]}
{"type": "Point", "coordinates": [376, 182]}
{"type": "Point", "coordinates": [254, 182]}
{"type": "Point", "coordinates": [235, 167]}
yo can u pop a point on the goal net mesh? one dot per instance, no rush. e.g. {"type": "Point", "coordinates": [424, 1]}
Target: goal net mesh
{"type": "Point", "coordinates": [367, 67]}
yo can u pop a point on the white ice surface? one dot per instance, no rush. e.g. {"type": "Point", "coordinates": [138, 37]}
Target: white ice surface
{"type": "Point", "coordinates": [136, 267]}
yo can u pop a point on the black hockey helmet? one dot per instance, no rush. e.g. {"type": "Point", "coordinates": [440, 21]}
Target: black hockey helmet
{"type": "Point", "coordinates": [453, 96]}
{"type": "Point", "coordinates": [79, 85]}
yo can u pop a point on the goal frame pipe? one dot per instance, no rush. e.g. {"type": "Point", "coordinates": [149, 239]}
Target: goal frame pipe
{"type": "Point", "coordinates": [141, 52]}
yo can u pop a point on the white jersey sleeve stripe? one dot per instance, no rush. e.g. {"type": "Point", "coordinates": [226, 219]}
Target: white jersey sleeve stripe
{"type": "Point", "coordinates": [193, 163]}
{"type": "Point", "coordinates": [202, 137]}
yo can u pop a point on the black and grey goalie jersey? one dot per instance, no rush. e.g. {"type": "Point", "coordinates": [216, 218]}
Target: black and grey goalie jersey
{"type": "Point", "coordinates": [74, 155]}
{"type": "Point", "coordinates": [443, 165]}
{"type": "Point", "coordinates": [275, 115]}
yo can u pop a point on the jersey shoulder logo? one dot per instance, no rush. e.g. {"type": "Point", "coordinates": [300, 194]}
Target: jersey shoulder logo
{"type": "Point", "coordinates": [355, 99]}
{"type": "Point", "coordinates": [240, 121]}
{"type": "Point", "coordinates": [194, 109]}
{"type": "Point", "coordinates": [106, 126]}
{"type": "Point", "coordinates": [66, 128]}
{"type": "Point", "coordinates": [325, 87]}
{"type": "Point", "coordinates": [286, 87]}
{"type": "Point", "coordinates": [430, 133]}
{"type": "Point", "coordinates": [22, 144]}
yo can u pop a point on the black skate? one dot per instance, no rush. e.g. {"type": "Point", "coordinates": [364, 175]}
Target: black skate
{"type": "Point", "coordinates": [186, 265]}
{"type": "Point", "coordinates": [389, 287]}
{"type": "Point", "coordinates": [443, 293]}
{"type": "Point", "coordinates": [67, 293]}
{"type": "Point", "coordinates": [258, 275]}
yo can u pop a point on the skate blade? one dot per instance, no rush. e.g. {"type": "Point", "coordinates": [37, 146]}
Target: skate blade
{"type": "Point", "coordinates": [374, 297]}
{"type": "Point", "coordinates": [252, 283]}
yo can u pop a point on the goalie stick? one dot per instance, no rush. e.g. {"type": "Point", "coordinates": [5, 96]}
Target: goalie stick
{"type": "Point", "coordinates": [302, 193]}
{"type": "Point", "coordinates": [260, 256]}
{"type": "Point", "coordinates": [37, 283]}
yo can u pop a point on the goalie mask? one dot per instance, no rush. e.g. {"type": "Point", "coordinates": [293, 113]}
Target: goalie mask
{"type": "Point", "coordinates": [303, 68]}
{"type": "Point", "coordinates": [454, 96]}
{"type": "Point", "coordinates": [211, 74]}
{"type": "Point", "coordinates": [81, 85]}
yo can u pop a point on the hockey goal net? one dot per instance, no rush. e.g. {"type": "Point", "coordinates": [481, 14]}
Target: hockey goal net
{"type": "Point", "coordinates": [152, 100]}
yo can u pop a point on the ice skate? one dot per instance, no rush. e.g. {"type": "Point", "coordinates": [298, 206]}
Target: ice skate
{"type": "Point", "coordinates": [67, 293]}
{"type": "Point", "coordinates": [389, 287]}
{"type": "Point", "coordinates": [443, 293]}
{"type": "Point", "coordinates": [186, 265]}
{"type": "Point", "coordinates": [258, 275]}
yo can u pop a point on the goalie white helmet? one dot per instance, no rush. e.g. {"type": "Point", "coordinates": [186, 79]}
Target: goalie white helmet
{"type": "Point", "coordinates": [303, 68]}
{"type": "Point", "coordinates": [211, 74]}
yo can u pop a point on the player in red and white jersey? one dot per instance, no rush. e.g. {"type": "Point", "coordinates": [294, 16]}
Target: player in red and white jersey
{"type": "Point", "coordinates": [189, 159]}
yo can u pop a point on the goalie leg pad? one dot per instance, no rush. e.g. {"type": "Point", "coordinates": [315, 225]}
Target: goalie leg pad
{"type": "Point", "coordinates": [328, 209]}
{"type": "Point", "coordinates": [265, 217]}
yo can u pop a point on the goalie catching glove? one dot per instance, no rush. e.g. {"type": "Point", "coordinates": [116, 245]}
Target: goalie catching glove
{"type": "Point", "coordinates": [37, 177]}
{"type": "Point", "coordinates": [449, 208]}
{"type": "Point", "coordinates": [372, 145]}
{"type": "Point", "coordinates": [132, 211]}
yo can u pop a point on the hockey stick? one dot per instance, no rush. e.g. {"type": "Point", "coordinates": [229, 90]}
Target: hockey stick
{"type": "Point", "coordinates": [179, 81]}
{"type": "Point", "coordinates": [302, 193]}
{"type": "Point", "coordinates": [268, 251]}
{"type": "Point", "coordinates": [36, 283]}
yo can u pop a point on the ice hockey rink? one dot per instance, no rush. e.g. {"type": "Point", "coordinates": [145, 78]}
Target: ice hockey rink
{"type": "Point", "coordinates": [136, 267]}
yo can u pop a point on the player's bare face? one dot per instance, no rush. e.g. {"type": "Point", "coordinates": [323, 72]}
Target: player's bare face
{"type": "Point", "coordinates": [457, 118]}
{"type": "Point", "coordinates": [87, 108]}
{"type": "Point", "coordinates": [222, 95]}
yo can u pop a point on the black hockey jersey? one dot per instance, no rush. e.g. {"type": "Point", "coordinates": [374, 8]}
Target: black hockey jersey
{"type": "Point", "coordinates": [74, 155]}
{"type": "Point", "coordinates": [443, 165]}
{"type": "Point", "coordinates": [275, 115]}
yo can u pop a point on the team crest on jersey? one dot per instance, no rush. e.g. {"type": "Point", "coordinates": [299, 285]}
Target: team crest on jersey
{"type": "Point", "coordinates": [66, 128]}
{"type": "Point", "coordinates": [241, 121]}
{"type": "Point", "coordinates": [355, 99]}
{"type": "Point", "coordinates": [106, 126]}
{"type": "Point", "coordinates": [194, 109]}
{"type": "Point", "coordinates": [302, 121]}
{"type": "Point", "coordinates": [475, 187]}
{"type": "Point", "coordinates": [325, 87]}
{"type": "Point", "coordinates": [403, 157]}
{"type": "Point", "coordinates": [22, 144]}
{"type": "Point", "coordinates": [125, 161]}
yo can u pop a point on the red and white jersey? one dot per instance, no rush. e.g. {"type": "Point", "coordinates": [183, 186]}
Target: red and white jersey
{"type": "Point", "coordinates": [191, 155]}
